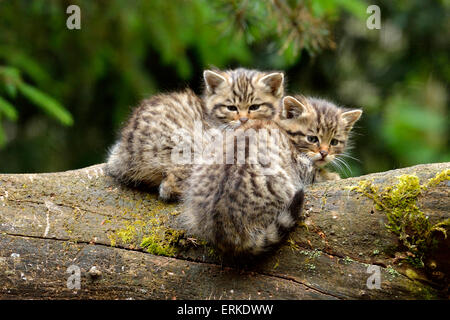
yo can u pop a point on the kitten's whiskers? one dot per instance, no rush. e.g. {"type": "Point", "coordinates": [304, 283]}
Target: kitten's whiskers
{"type": "Point", "coordinates": [337, 165]}
{"type": "Point", "coordinates": [348, 156]}
{"type": "Point", "coordinates": [342, 161]}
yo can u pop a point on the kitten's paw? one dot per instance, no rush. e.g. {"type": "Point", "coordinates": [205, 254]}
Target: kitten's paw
{"type": "Point", "coordinates": [324, 175]}
{"type": "Point", "coordinates": [168, 190]}
{"type": "Point", "coordinates": [165, 192]}
{"type": "Point", "coordinates": [333, 176]}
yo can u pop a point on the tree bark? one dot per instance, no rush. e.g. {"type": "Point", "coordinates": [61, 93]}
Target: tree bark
{"type": "Point", "coordinates": [54, 223]}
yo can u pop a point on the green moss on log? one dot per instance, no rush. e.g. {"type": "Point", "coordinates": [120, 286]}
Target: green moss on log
{"type": "Point", "coordinates": [405, 219]}
{"type": "Point", "coordinates": [148, 230]}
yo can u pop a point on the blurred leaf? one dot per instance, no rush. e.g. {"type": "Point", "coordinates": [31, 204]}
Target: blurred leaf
{"type": "Point", "coordinates": [323, 7]}
{"type": "Point", "coordinates": [2, 134]}
{"type": "Point", "coordinates": [9, 73]}
{"type": "Point", "coordinates": [11, 89]}
{"type": "Point", "coordinates": [47, 103]}
{"type": "Point", "coordinates": [10, 76]}
{"type": "Point", "coordinates": [356, 7]}
{"type": "Point", "coordinates": [23, 62]}
{"type": "Point", "coordinates": [290, 54]}
{"type": "Point", "coordinates": [8, 109]}
{"type": "Point", "coordinates": [413, 132]}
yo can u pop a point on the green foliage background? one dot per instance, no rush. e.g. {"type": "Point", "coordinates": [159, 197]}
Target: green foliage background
{"type": "Point", "coordinates": [64, 93]}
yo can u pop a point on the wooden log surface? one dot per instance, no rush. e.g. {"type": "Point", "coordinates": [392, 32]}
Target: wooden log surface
{"type": "Point", "coordinates": [126, 244]}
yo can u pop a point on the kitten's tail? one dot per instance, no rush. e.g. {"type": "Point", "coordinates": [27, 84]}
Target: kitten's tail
{"type": "Point", "coordinates": [263, 242]}
{"type": "Point", "coordinates": [117, 164]}
{"type": "Point", "coordinates": [296, 205]}
{"type": "Point", "coordinates": [284, 223]}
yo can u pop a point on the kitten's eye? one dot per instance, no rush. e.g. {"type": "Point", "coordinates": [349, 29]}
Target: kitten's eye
{"type": "Point", "coordinates": [232, 108]}
{"type": "Point", "coordinates": [312, 139]}
{"type": "Point", "coordinates": [254, 107]}
{"type": "Point", "coordinates": [334, 142]}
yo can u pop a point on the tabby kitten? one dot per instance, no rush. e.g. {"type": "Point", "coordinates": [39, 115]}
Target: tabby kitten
{"type": "Point", "coordinates": [319, 129]}
{"type": "Point", "coordinates": [143, 153]}
{"type": "Point", "coordinates": [242, 208]}
{"type": "Point", "coordinates": [237, 96]}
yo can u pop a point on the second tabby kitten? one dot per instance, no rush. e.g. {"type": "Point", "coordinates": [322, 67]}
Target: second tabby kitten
{"type": "Point", "coordinates": [143, 153]}
{"type": "Point", "coordinates": [319, 129]}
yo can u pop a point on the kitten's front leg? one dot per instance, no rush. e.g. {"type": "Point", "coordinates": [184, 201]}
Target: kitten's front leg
{"type": "Point", "coordinates": [172, 186]}
{"type": "Point", "coordinates": [325, 175]}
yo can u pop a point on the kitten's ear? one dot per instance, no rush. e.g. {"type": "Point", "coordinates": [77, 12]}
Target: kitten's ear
{"type": "Point", "coordinates": [274, 82]}
{"type": "Point", "coordinates": [350, 117]}
{"type": "Point", "coordinates": [293, 108]}
{"type": "Point", "coordinates": [213, 80]}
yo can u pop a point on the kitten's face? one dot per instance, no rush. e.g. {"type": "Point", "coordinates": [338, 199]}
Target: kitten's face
{"type": "Point", "coordinates": [239, 96]}
{"type": "Point", "coordinates": [317, 127]}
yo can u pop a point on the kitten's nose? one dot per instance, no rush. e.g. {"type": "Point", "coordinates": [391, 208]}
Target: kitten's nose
{"type": "Point", "coordinates": [243, 120]}
{"type": "Point", "coordinates": [323, 153]}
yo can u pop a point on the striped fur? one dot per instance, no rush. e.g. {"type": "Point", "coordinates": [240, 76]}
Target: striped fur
{"type": "Point", "coordinates": [142, 155]}
{"type": "Point", "coordinates": [239, 208]}
{"type": "Point", "coordinates": [236, 94]}
{"type": "Point", "coordinates": [315, 126]}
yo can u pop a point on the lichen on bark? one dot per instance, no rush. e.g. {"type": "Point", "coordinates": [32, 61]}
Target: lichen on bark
{"type": "Point", "coordinates": [405, 219]}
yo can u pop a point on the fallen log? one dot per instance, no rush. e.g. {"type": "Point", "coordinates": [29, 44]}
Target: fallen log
{"type": "Point", "coordinates": [78, 235]}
